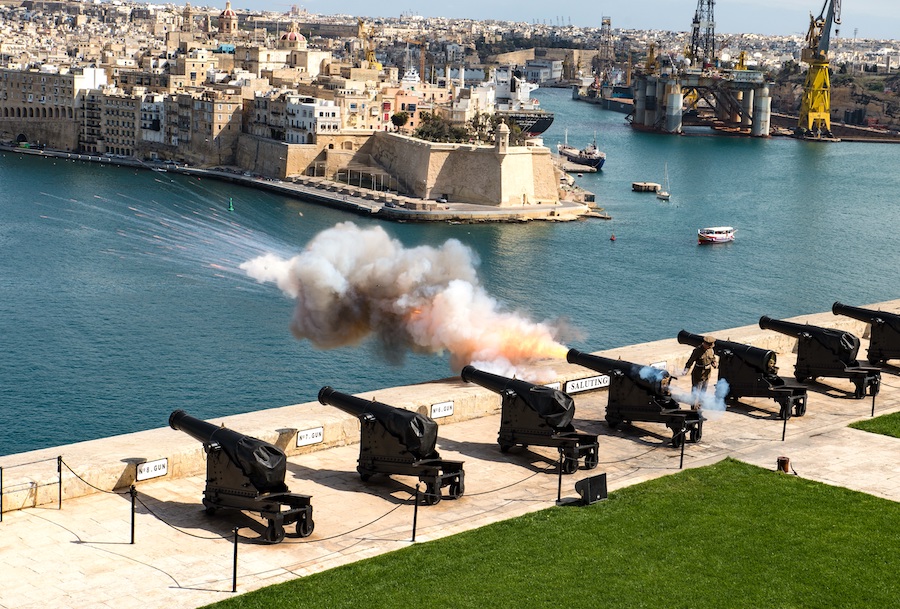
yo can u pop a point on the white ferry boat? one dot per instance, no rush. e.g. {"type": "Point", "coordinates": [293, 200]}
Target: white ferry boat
{"type": "Point", "coordinates": [715, 234]}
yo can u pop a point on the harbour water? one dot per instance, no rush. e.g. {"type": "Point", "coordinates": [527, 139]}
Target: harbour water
{"type": "Point", "coordinates": [121, 300]}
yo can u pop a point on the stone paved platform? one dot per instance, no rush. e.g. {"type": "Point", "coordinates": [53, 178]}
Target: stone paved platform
{"type": "Point", "coordinates": [80, 556]}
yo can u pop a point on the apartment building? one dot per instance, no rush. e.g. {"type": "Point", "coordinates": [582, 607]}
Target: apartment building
{"type": "Point", "coordinates": [41, 105]}
{"type": "Point", "coordinates": [308, 117]}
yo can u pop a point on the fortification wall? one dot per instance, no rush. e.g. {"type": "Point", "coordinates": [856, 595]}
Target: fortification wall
{"type": "Point", "coordinates": [110, 463]}
{"type": "Point", "coordinates": [467, 173]}
{"type": "Point", "coordinates": [57, 133]}
{"type": "Point", "coordinates": [325, 158]}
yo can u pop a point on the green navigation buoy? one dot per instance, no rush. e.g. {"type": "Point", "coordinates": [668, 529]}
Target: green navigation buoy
{"type": "Point", "coordinates": [230, 204]}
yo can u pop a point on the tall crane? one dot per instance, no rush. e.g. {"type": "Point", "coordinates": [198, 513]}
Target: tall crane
{"type": "Point", "coordinates": [367, 46]}
{"type": "Point", "coordinates": [815, 107]}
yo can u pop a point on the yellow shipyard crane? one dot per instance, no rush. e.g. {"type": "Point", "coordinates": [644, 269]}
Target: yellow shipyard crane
{"type": "Point", "coordinates": [815, 107]}
{"type": "Point", "coordinates": [367, 45]}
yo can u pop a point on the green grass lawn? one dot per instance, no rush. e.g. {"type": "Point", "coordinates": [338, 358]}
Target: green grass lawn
{"type": "Point", "coordinates": [727, 536]}
{"type": "Point", "coordinates": [888, 425]}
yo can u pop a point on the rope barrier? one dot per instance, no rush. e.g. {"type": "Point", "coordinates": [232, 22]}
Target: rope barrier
{"type": "Point", "coordinates": [172, 526]}
{"type": "Point", "coordinates": [647, 452]}
{"type": "Point", "coordinates": [543, 471]}
{"type": "Point", "coordinates": [96, 488]}
{"type": "Point", "coordinates": [385, 515]}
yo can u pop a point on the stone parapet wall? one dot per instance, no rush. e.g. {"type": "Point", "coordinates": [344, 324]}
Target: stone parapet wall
{"type": "Point", "coordinates": [110, 463]}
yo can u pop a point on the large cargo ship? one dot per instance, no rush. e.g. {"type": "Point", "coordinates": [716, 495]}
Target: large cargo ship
{"type": "Point", "coordinates": [512, 98]}
{"type": "Point", "coordinates": [531, 122]}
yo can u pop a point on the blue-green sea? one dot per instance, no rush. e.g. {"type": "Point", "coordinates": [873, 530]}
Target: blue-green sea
{"type": "Point", "coordinates": [120, 297]}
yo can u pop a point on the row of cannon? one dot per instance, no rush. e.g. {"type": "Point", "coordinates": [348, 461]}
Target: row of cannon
{"type": "Point", "coordinates": [248, 474]}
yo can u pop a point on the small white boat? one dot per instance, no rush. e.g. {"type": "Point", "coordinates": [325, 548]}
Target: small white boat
{"type": "Point", "coordinates": [715, 234]}
{"type": "Point", "coordinates": [663, 193]}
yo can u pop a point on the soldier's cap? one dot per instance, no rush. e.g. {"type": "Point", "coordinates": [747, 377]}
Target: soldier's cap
{"type": "Point", "coordinates": [709, 340]}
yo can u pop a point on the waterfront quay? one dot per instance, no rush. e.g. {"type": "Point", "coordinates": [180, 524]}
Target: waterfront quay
{"type": "Point", "coordinates": [575, 204]}
{"type": "Point", "coordinates": [79, 553]}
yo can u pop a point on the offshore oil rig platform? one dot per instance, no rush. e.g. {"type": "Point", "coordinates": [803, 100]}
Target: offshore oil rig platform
{"type": "Point", "coordinates": [737, 101]}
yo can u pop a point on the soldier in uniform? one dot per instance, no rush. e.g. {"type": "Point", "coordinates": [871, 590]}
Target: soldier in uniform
{"type": "Point", "coordinates": [703, 359]}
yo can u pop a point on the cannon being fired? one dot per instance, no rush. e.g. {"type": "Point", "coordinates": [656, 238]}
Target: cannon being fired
{"type": "Point", "coordinates": [397, 441]}
{"type": "Point", "coordinates": [652, 379]}
{"type": "Point", "coordinates": [884, 340]}
{"type": "Point", "coordinates": [751, 372]}
{"type": "Point", "coordinates": [827, 352]}
{"type": "Point", "coordinates": [641, 393]}
{"type": "Point", "coordinates": [245, 473]}
{"type": "Point", "coordinates": [537, 415]}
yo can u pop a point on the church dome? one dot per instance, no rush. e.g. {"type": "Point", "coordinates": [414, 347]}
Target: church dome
{"type": "Point", "coordinates": [228, 12]}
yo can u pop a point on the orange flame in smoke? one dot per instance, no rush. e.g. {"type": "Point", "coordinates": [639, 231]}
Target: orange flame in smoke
{"type": "Point", "coordinates": [507, 338]}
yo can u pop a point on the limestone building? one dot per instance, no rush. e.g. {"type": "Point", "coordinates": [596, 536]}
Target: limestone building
{"type": "Point", "coordinates": [46, 105]}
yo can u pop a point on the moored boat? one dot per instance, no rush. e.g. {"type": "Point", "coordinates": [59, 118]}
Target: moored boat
{"type": "Point", "coordinates": [715, 234]}
{"type": "Point", "coordinates": [590, 155]}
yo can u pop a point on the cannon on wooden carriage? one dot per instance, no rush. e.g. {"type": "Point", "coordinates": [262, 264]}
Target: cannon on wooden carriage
{"type": "Point", "coordinates": [394, 441]}
{"type": "Point", "coordinates": [827, 352]}
{"type": "Point", "coordinates": [884, 337]}
{"type": "Point", "coordinates": [751, 372]}
{"type": "Point", "coordinates": [641, 393]}
{"type": "Point", "coordinates": [535, 415]}
{"type": "Point", "coordinates": [245, 473]}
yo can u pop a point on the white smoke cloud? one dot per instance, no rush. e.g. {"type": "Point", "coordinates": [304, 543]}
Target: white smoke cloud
{"type": "Point", "coordinates": [712, 405]}
{"type": "Point", "coordinates": [351, 283]}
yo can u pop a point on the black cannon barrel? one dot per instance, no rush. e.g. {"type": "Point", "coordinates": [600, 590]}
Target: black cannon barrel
{"type": "Point", "coordinates": [785, 327]}
{"type": "Point", "coordinates": [416, 432]}
{"type": "Point", "coordinates": [866, 315]}
{"type": "Point", "coordinates": [263, 463]}
{"type": "Point", "coordinates": [757, 357]}
{"type": "Point", "coordinates": [554, 406]}
{"type": "Point", "coordinates": [845, 341]}
{"type": "Point", "coordinates": [655, 379]}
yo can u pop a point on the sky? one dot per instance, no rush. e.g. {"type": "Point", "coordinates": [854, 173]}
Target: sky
{"type": "Point", "coordinates": [871, 18]}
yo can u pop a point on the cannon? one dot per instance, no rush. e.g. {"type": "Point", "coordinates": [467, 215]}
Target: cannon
{"type": "Point", "coordinates": [641, 393]}
{"type": "Point", "coordinates": [827, 352]}
{"type": "Point", "coordinates": [539, 416]}
{"type": "Point", "coordinates": [245, 473]}
{"type": "Point", "coordinates": [751, 372]}
{"type": "Point", "coordinates": [397, 441]}
{"type": "Point", "coordinates": [884, 340]}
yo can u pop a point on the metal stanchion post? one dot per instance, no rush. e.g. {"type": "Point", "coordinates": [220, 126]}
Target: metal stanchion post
{"type": "Point", "coordinates": [415, 512]}
{"type": "Point", "coordinates": [559, 470]}
{"type": "Point", "coordinates": [683, 441]}
{"type": "Point", "coordinates": [784, 428]}
{"type": "Point", "coordinates": [234, 564]}
{"type": "Point", "coordinates": [1, 494]}
{"type": "Point", "coordinates": [59, 473]}
{"type": "Point", "coordinates": [133, 492]}
{"type": "Point", "coordinates": [873, 404]}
